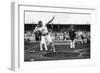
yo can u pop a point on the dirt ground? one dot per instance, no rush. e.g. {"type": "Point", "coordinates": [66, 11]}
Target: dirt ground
{"type": "Point", "coordinates": [62, 52]}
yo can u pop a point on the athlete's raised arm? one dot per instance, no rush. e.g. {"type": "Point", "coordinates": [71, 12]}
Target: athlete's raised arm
{"type": "Point", "coordinates": [50, 20]}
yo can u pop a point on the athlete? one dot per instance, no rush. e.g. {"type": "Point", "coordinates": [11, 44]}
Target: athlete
{"type": "Point", "coordinates": [46, 39]}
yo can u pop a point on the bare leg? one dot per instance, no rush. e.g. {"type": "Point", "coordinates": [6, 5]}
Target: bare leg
{"type": "Point", "coordinates": [45, 45]}
{"type": "Point", "coordinates": [41, 46]}
{"type": "Point", "coordinates": [53, 48]}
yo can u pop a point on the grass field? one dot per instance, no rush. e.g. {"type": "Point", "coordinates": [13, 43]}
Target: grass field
{"type": "Point", "coordinates": [32, 52]}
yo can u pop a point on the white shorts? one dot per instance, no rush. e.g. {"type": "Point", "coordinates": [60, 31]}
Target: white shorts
{"type": "Point", "coordinates": [46, 39]}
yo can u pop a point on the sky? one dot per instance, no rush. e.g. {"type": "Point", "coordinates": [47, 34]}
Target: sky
{"type": "Point", "coordinates": [60, 18]}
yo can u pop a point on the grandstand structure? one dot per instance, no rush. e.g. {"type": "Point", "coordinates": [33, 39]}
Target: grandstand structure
{"type": "Point", "coordinates": [60, 33]}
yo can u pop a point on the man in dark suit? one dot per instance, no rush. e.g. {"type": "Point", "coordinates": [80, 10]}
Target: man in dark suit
{"type": "Point", "coordinates": [72, 36]}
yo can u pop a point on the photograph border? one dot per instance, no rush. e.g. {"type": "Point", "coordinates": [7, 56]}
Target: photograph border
{"type": "Point", "coordinates": [16, 64]}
